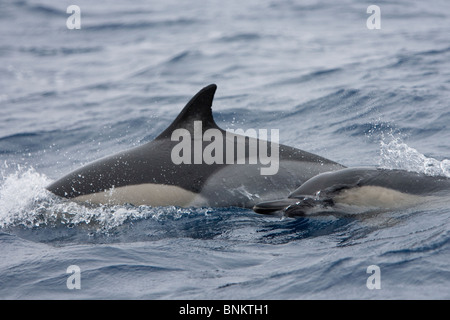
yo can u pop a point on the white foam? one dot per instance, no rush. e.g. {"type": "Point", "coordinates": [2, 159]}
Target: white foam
{"type": "Point", "coordinates": [24, 201]}
{"type": "Point", "coordinates": [20, 194]}
{"type": "Point", "coordinates": [396, 154]}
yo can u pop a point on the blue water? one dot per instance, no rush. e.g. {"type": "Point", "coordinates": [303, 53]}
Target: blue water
{"type": "Point", "coordinates": [311, 69]}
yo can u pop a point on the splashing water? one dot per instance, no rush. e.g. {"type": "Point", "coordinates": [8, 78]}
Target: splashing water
{"type": "Point", "coordinates": [20, 195]}
{"type": "Point", "coordinates": [24, 201]}
{"type": "Point", "coordinates": [396, 154]}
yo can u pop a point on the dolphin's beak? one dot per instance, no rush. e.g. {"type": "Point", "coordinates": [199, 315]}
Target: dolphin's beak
{"type": "Point", "coordinates": [268, 207]}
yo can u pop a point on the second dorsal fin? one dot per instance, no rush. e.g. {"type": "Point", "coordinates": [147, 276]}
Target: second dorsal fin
{"type": "Point", "coordinates": [197, 109]}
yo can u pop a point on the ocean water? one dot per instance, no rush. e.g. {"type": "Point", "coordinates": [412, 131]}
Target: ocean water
{"type": "Point", "coordinates": [311, 69]}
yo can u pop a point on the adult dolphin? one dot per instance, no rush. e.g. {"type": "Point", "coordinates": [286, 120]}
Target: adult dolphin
{"type": "Point", "coordinates": [360, 189]}
{"type": "Point", "coordinates": [152, 174]}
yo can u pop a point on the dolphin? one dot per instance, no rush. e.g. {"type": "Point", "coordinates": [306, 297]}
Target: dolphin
{"type": "Point", "coordinates": [359, 189]}
{"type": "Point", "coordinates": [163, 173]}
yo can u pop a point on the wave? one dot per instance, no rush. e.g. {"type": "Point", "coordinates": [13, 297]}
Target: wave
{"type": "Point", "coordinates": [316, 75]}
{"type": "Point", "coordinates": [43, 51]}
{"type": "Point", "coordinates": [139, 25]}
{"type": "Point", "coordinates": [45, 10]}
{"type": "Point", "coordinates": [240, 37]}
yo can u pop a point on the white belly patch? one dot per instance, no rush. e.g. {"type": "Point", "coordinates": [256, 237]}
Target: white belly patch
{"type": "Point", "coordinates": [142, 194]}
{"type": "Point", "coordinates": [374, 196]}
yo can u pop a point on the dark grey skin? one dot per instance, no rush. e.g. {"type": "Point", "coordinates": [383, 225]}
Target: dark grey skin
{"type": "Point", "coordinates": [322, 192]}
{"type": "Point", "coordinates": [151, 164]}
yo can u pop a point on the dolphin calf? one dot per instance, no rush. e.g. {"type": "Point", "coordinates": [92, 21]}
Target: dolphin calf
{"type": "Point", "coordinates": [194, 163]}
{"type": "Point", "coordinates": [357, 188]}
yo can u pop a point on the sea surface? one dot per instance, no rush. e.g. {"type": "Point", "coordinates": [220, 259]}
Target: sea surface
{"type": "Point", "coordinates": [312, 69]}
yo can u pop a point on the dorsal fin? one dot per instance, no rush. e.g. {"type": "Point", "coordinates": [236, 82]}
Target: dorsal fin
{"type": "Point", "coordinates": [197, 109]}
